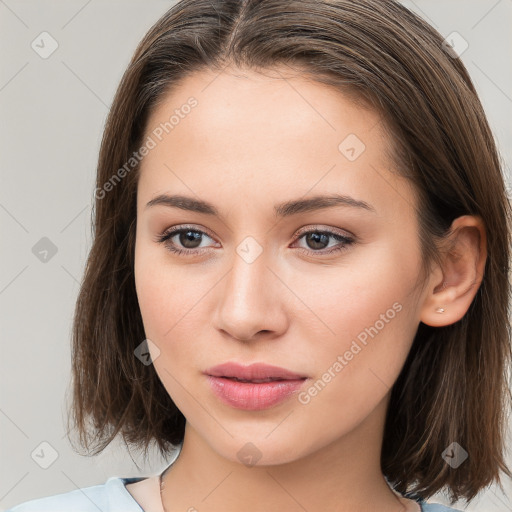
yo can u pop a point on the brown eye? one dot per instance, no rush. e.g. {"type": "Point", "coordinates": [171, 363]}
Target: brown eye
{"type": "Point", "coordinates": [183, 240]}
{"type": "Point", "coordinates": [189, 239]}
{"type": "Point", "coordinates": [317, 241]}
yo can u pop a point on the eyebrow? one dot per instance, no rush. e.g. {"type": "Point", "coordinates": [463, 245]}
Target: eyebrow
{"type": "Point", "coordinates": [285, 209]}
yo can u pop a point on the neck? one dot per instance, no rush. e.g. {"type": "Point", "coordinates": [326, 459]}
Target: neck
{"type": "Point", "coordinates": [342, 476]}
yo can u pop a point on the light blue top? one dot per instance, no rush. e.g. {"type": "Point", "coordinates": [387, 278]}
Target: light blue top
{"type": "Point", "coordinates": [112, 496]}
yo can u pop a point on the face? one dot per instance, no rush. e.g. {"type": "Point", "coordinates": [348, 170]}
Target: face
{"type": "Point", "coordinates": [324, 290]}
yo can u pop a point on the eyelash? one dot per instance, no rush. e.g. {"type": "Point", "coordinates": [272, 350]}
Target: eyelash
{"type": "Point", "coordinates": [167, 235]}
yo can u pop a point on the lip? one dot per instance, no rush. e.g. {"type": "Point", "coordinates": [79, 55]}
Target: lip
{"type": "Point", "coordinates": [255, 371]}
{"type": "Point", "coordinates": [256, 395]}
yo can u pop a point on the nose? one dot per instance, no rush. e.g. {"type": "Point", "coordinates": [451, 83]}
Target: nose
{"type": "Point", "coordinates": [250, 304]}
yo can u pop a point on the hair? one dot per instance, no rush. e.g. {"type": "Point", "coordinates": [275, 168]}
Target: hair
{"type": "Point", "coordinates": [454, 383]}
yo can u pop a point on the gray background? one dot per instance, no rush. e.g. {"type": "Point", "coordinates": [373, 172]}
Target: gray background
{"type": "Point", "coordinates": [53, 112]}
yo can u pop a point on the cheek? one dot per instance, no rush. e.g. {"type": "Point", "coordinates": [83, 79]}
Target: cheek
{"type": "Point", "coordinates": [167, 314]}
{"type": "Point", "coordinates": [170, 300]}
{"type": "Point", "coordinates": [153, 301]}
{"type": "Point", "coordinates": [372, 314]}
{"type": "Point", "coordinates": [353, 296]}
{"type": "Point", "coordinates": [355, 372]}
{"type": "Point", "coordinates": [164, 292]}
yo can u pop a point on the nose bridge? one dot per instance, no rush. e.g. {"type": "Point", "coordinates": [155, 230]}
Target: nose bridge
{"type": "Point", "coordinates": [248, 274]}
{"type": "Point", "coordinates": [250, 301]}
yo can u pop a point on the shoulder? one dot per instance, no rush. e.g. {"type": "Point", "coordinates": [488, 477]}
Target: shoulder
{"type": "Point", "coordinates": [436, 507]}
{"type": "Point", "coordinates": [111, 496]}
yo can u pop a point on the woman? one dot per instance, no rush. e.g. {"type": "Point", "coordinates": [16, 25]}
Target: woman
{"type": "Point", "coordinates": [299, 274]}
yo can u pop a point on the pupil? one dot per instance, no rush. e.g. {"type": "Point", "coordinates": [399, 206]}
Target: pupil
{"type": "Point", "coordinates": [188, 237]}
{"type": "Point", "coordinates": [315, 238]}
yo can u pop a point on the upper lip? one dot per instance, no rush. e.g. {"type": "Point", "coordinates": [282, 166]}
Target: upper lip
{"type": "Point", "coordinates": [252, 372]}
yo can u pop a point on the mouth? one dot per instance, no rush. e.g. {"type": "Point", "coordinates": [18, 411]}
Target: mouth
{"type": "Point", "coordinates": [257, 372]}
{"type": "Point", "coordinates": [254, 381]}
{"type": "Point", "coordinates": [255, 387]}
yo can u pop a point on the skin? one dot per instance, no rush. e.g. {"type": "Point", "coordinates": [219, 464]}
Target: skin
{"type": "Point", "coordinates": [254, 141]}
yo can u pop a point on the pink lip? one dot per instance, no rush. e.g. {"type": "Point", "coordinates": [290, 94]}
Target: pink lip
{"type": "Point", "coordinates": [252, 372]}
{"type": "Point", "coordinates": [253, 395]}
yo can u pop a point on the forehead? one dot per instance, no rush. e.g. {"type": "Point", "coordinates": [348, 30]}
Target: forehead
{"type": "Point", "coordinates": [252, 133]}
{"type": "Point", "coordinates": [254, 107]}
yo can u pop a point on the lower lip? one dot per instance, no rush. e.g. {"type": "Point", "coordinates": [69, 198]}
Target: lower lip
{"type": "Point", "coordinates": [252, 396]}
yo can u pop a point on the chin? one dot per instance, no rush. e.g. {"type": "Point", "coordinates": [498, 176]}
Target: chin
{"type": "Point", "coordinates": [260, 451]}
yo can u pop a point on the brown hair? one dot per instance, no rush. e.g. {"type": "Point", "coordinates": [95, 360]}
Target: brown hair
{"type": "Point", "coordinates": [453, 386]}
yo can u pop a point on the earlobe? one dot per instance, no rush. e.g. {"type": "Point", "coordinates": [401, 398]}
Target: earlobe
{"type": "Point", "coordinates": [454, 286]}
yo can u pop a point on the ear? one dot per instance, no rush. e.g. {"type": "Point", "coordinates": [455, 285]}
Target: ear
{"type": "Point", "coordinates": [454, 286]}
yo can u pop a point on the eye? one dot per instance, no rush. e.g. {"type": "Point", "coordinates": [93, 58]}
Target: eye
{"type": "Point", "coordinates": [187, 241]}
{"type": "Point", "coordinates": [189, 238]}
{"type": "Point", "coordinates": [318, 240]}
